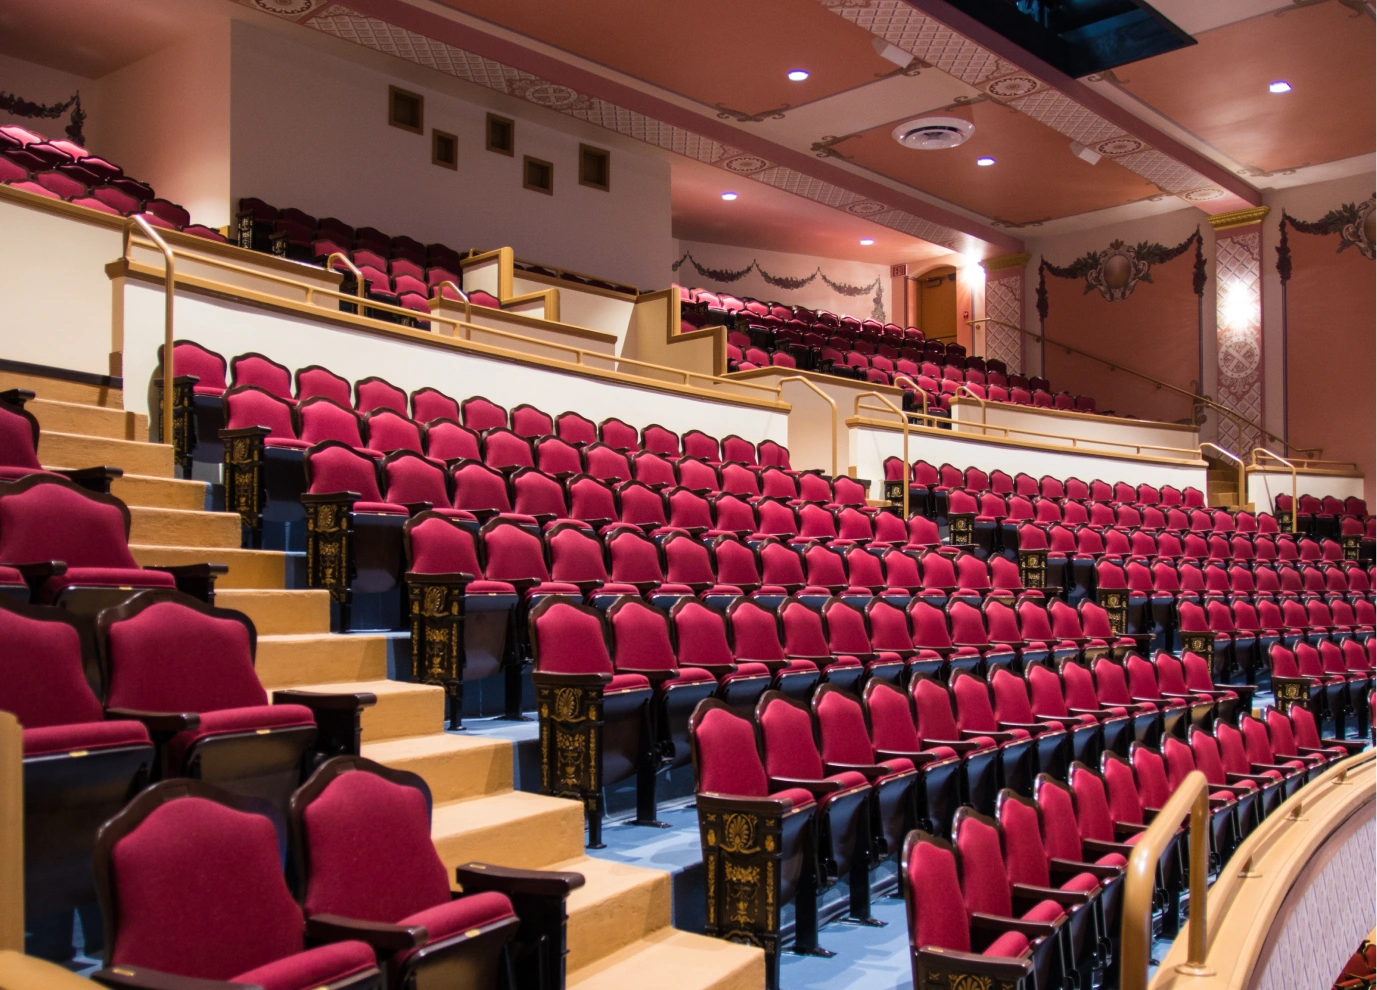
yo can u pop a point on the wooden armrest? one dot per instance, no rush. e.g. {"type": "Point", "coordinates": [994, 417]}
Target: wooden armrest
{"type": "Point", "coordinates": [331, 702]}
{"type": "Point", "coordinates": [996, 736]}
{"type": "Point", "coordinates": [458, 577]}
{"type": "Point", "coordinates": [19, 396]}
{"type": "Point", "coordinates": [378, 934]}
{"type": "Point", "coordinates": [919, 759]}
{"type": "Point", "coordinates": [1002, 970]}
{"type": "Point", "coordinates": [960, 745]}
{"type": "Point", "coordinates": [478, 877]}
{"type": "Point", "coordinates": [871, 771]}
{"type": "Point", "coordinates": [1256, 778]}
{"type": "Point", "coordinates": [747, 805]}
{"type": "Point", "coordinates": [141, 978]}
{"type": "Point", "coordinates": [327, 498]}
{"type": "Point", "coordinates": [1101, 870]}
{"type": "Point", "coordinates": [245, 431]}
{"type": "Point", "coordinates": [1101, 846]}
{"type": "Point", "coordinates": [1128, 828]}
{"type": "Point", "coordinates": [1038, 893]}
{"type": "Point", "coordinates": [1032, 929]}
{"type": "Point", "coordinates": [817, 788]}
{"type": "Point", "coordinates": [96, 479]}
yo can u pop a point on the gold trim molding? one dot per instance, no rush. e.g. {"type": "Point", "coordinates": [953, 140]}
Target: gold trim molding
{"type": "Point", "coordinates": [1005, 261]}
{"type": "Point", "coordinates": [1239, 218]}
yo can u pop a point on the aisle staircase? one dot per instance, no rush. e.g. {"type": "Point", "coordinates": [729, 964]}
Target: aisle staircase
{"type": "Point", "coordinates": [619, 921]}
{"type": "Point", "coordinates": [1221, 484]}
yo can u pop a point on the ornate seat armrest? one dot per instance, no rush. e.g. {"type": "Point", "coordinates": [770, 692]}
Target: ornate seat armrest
{"type": "Point", "coordinates": [1033, 892]}
{"type": "Point", "coordinates": [379, 935]}
{"type": "Point", "coordinates": [1099, 713]}
{"type": "Point", "coordinates": [325, 498]}
{"type": "Point", "coordinates": [752, 805]}
{"type": "Point", "coordinates": [196, 580]}
{"type": "Point", "coordinates": [1144, 701]}
{"type": "Point", "coordinates": [1032, 728]}
{"type": "Point", "coordinates": [1101, 846]}
{"type": "Point", "coordinates": [1179, 697]}
{"type": "Point", "coordinates": [158, 723]}
{"type": "Point", "coordinates": [37, 574]}
{"type": "Point", "coordinates": [1101, 870]}
{"type": "Point", "coordinates": [1002, 970]}
{"type": "Point", "coordinates": [1258, 768]}
{"type": "Point", "coordinates": [1031, 929]}
{"type": "Point", "coordinates": [1220, 802]}
{"type": "Point", "coordinates": [655, 675]}
{"type": "Point", "coordinates": [817, 788]}
{"type": "Point", "coordinates": [1352, 745]}
{"type": "Point", "coordinates": [1128, 828]}
{"type": "Point", "coordinates": [338, 716]}
{"type": "Point", "coordinates": [1311, 751]}
{"type": "Point", "coordinates": [478, 877]}
{"type": "Point", "coordinates": [141, 978]}
{"type": "Point", "coordinates": [416, 508]}
{"type": "Point", "coordinates": [96, 479]}
{"type": "Point", "coordinates": [1245, 693]}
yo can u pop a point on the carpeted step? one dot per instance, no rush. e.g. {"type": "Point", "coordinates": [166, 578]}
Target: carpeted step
{"type": "Point", "coordinates": [75, 450]}
{"type": "Point", "coordinates": [96, 421]}
{"type": "Point", "coordinates": [298, 659]}
{"type": "Point", "coordinates": [402, 709]}
{"type": "Point", "coordinates": [618, 905]}
{"type": "Point", "coordinates": [160, 493]}
{"type": "Point", "coordinates": [247, 568]}
{"type": "Point", "coordinates": [277, 613]}
{"type": "Point", "coordinates": [527, 831]}
{"type": "Point", "coordinates": [454, 765]}
{"type": "Point", "coordinates": [673, 959]}
{"type": "Point", "coordinates": [184, 527]}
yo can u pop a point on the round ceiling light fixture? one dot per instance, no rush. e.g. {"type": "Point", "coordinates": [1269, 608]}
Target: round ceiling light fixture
{"type": "Point", "coordinates": [1280, 86]}
{"type": "Point", "coordinates": [985, 161]}
{"type": "Point", "coordinates": [798, 75]}
{"type": "Point", "coordinates": [933, 133]}
{"type": "Point", "coordinates": [729, 196]}
{"type": "Point", "coordinates": [867, 241]}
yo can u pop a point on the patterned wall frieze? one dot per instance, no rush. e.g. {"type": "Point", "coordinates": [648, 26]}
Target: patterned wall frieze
{"type": "Point", "coordinates": [1004, 302]}
{"type": "Point", "coordinates": [350, 25]}
{"type": "Point", "coordinates": [1238, 319]}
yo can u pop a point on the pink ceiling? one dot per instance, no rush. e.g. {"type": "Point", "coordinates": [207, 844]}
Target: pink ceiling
{"type": "Point", "coordinates": [771, 219]}
{"type": "Point", "coordinates": [1217, 89]}
{"type": "Point", "coordinates": [93, 37]}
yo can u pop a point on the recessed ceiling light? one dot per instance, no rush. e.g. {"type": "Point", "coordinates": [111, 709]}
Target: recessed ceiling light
{"type": "Point", "coordinates": [867, 241]}
{"type": "Point", "coordinates": [1280, 86]}
{"type": "Point", "coordinates": [798, 75]}
{"type": "Point", "coordinates": [984, 161]}
{"type": "Point", "coordinates": [729, 196]}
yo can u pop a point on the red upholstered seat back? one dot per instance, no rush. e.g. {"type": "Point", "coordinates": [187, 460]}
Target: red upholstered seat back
{"type": "Point", "coordinates": [687, 560]}
{"type": "Point", "coordinates": [773, 455]}
{"type": "Point", "coordinates": [513, 554]}
{"type": "Point", "coordinates": [170, 657]}
{"type": "Point", "coordinates": [803, 630]}
{"type": "Point", "coordinates": [504, 449]}
{"type": "Point", "coordinates": [1150, 770]}
{"type": "Point", "coordinates": [728, 761]}
{"type": "Point", "coordinates": [1256, 742]}
{"type": "Point", "coordinates": [569, 639]}
{"type": "Point", "coordinates": [635, 557]}
{"type": "Point", "coordinates": [1066, 622]}
{"type": "Point", "coordinates": [619, 435]}
{"type": "Point", "coordinates": [984, 881]}
{"type": "Point", "coordinates": [412, 478]}
{"type": "Point", "coordinates": [389, 430]}
{"type": "Point", "coordinates": [375, 393]}
{"type": "Point", "coordinates": [698, 475]}
{"type": "Point", "coordinates": [530, 422]}
{"type": "Point", "coordinates": [1045, 687]}
{"type": "Point", "coordinates": [1110, 683]}
{"type": "Point", "coordinates": [478, 487]}
{"type": "Point", "coordinates": [428, 404]}
{"type": "Point", "coordinates": [315, 380]}
{"type": "Point", "coordinates": [1125, 803]}
{"type": "Point", "coordinates": [575, 429]}
{"type": "Point", "coordinates": [658, 440]}
{"type": "Point", "coordinates": [755, 632]}
{"type": "Point", "coordinates": [865, 570]}
{"type": "Point", "coordinates": [929, 626]}
{"type": "Point", "coordinates": [192, 359]}
{"type": "Point", "coordinates": [701, 633]}
{"type": "Point", "coordinates": [1180, 761]}
{"type": "Point", "coordinates": [824, 567]}
{"type": "Point", "coordinates": [736, 563]}
{"type": "Point", "coordinates": [1061, 832]}
{"type": "Point", "coordinates": [590, 499]}
{"type": "Point", "coordinates": [891, 720]}
{"type": "Point", "coordinates": [255, 369]}
{"type": "Point", "coordinates": [333, 468]}
{"type": "Point", "coordinates": [446, 441]}
{"type": "Point", "coordinates": [481, 414]}
{"type": "Point", "coordinates": [973, 709]}
{"type": "Point", "coordinates": [841, 723]}
{"type": "Point", "coordinates": [536, 494]}
{"type": "Point", "coordinates": [1025, 858]}
{"type": "Point", "coordinates": [555, 456]}
{"type": "Point", "coordinates": [737, 450]}
{"type": "Point", "coordinates": [653, 469]}
{"type": "Point", "coordinates": [254, 407]}
{"type": "Point", "coordinates": [42, 681]}
{"type": "Point", "coordinates": [701, 446]}
{"type": "Point", "coordinates": [1010, 697]}
{"type": "Point", "coordinates": [787, 733]}
{"type": "Point", "coordinates": [939, 916]}
{"type": "Point", "coordinates": [1093, 818]}
{"type": "Point", "coordinates": [780, 564]}
{"type": "Point", "coordinates": [370, 852]}
{"type": "Point", "coordinates": [439, 546]}
{"type": "Point", "coordinates": [888, 625]}
{"type": "Point", "coordinates": [55, 522]}
{"type": "Point", "coordinates": [933, 707]}
{"type": "Point", "coordinates": [846, 632]}
{"type": "Point", "coordinates": [324, 419]}
{"type": "Point", "coordinates": [1303, 726]}
{"type": "Point", "coordinates": [640, 636]}
{"type": "Point", "coordinates": [17, 447]}
{"type": "Point", "coordinates": [1142, 678]}
{"type": "Point", "coordinates": [575, 555]}
{"type": "Point", "coordinates": [967, 624]}
{"type": "Point", "coordinates": [199, 891]}
{"type": "Point", "coordinates": [606, 463]}
{"type": "Point", "coordinates": [640, 504]}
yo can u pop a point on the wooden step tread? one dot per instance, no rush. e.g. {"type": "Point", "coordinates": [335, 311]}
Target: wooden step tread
{"type": "Point", "coordinates": [514, 828]}
{"type": "Point", "coordinates": [185, 527]}
{"type": "Point", "coordinates": [247, 568]}
{"type": "Point", "coordinates": [76, 450]}
{"type": "Point", "coordinates": [453, 764]}
{"type": "Point", "coordinates": [301, 659]}
{"type": "Point", "coordinates": [61, 390]}
{"type": "Point", "coordinates": [160, 493]}
{"type": "Point", "coordinates": [402, 709]}
{"type": "Point", "coordinates": [279, 611]}
{"type": "Point", "coordinates": [58, 416]}
{"type": "Point", "coordinates": [671, 958]}
{"type": "Point", "coordinates": [617, 905]}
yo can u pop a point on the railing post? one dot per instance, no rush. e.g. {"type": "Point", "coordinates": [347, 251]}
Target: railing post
{"type": "Point", "coordinates": [168, 427]}
{"type": "Point", "coordinates": [830, 401]}
{"type": "Point", "coordinates": [1199, 882]}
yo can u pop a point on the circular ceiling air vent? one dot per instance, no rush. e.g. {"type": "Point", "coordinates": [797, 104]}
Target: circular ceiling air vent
{"type": "Point", "coordinates": [933, 133]}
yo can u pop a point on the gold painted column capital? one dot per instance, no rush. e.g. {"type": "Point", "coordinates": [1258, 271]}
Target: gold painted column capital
{"type": "Point", "coordinates": [1239, 218]}
{"type": "Point", "coordinates": [1004, 261]}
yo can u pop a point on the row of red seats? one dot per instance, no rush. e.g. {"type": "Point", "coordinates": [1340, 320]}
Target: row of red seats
{"type": "Point", "coordinates": [64, 170]}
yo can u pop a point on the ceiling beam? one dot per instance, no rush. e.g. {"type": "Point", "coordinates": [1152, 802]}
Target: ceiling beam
{"type": "Point", "coordinates": [986, 37]}
{"type": "Point", "coordinates": [480, 42]}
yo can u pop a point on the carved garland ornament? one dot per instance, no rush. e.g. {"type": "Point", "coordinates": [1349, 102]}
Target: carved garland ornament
{"type": "Point", "coordinates": [1117, 270]}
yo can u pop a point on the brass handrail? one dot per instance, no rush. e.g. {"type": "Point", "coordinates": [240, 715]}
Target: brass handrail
{"type": "Point", "coordinates": [903, 419]}
{"type": "Point", "coordinates": [1191, 798]}
{"type": "Point", "coordinates": [166, 429]}
{"type": "Point", "coordinates": [779, 389]}
{"type": "Point", "coordinates": [963, 387]}
{"type": "Point", "coordinates": [462, 329]}
{"type": "Point", "coordinates": [1295, 508]}
{"type": "Point", "coordinates": [1197, 400]}
{"type": "Point", "coordinates": [463, 296]}
{"type": "Point", "coordinates": [916, 387]}
{"type": "Point", "coordinates": [360, 289]}
{"type": "Point", "coordinates": [1242, 469]}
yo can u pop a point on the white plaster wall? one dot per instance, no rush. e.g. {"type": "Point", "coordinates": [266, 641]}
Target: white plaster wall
{"type": "Point", "coordinates": [583, 309]}
{"type": "Point", "coordinates": [310, 130]}
{"type": "Point", "coordinates": [870, 447]}
{"type": "Point", "coordinates": [232, 329]}
{"type": "Point", "coordinates": [57, 298]}
{"type": "Point", "coordinates": [814, 295]}
{"type": "Point", "coordinates": [40, 84]}
{"type": "Point", "coordinates": [1265, 486]}
{"type": "Point", "coordinates": [1100, 428]}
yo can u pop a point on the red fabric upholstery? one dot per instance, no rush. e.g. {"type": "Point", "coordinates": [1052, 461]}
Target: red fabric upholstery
{"type": "Point", "coordinates": [82, 735]}
{"type": "Point", "coordinates": [1125, 803]}
{"type": "Point", "coordinates": [1061, 833]}
{"type": "Point", "coordinates": [939, 917]}
{"type": "Point", "coordinates": [570, 641]}
{"type": "Point", "coordinates": [728, 760]}
{"type": "Point", "coordinates": [1092, 807]}
{"type": "Point", "coordinates": [41, 678]}
{"type": "Point", "coordinates": [52, 522]}
{"type": "Point", "coordinates": [374, 393]}
{"type": "Point", "coordinates": [844, 736]}
{"type": "Point", "coordinates": [1025, 859]}
{"type": "Point", "coordinates": [254, 369]}
{"type": "Point", "coordinates": [342, 469]}
{"type": "Point", "coordinates": [640, 636]}
{"type": "Point", "coordinates": [117, 577]}
{"type": "Point", "coordinates": [756, 633]}
{"type": "Point", "coordinates": [227, 720]}
{"type": "Point", "coordinates": [439, 547]}
{"type": "Point", "coordinates": [455, 917]}
{"type": "Point", "coordinates": [313, 968]}
{"type": "Point", "coordinates": [389, 430]}
{"type": "Point", "coordinates": [16, 442]}
{"type": "Point", "coordinates": [986, 885]}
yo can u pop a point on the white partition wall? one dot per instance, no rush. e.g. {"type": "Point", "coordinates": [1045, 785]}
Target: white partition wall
{"type": "Point", "coordinates": [1108, 431]}
{"type": "Point", "coordinates": [1265, 486]}
{"type": "Point", "coordinates": [412, 361]}
{"type": "Point", "coordinates": [870, 445]}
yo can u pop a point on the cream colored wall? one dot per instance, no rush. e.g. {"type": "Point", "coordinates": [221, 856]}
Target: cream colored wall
{"type": "Point", "coordinates": [869, 447]}
{"type": "Point", "coordinates": [40, 84]}
{"type": "Point", "coordinates": [310, 130]}
{"type": "Point", "coordinates": [231, 328]}
{"type": "Point", "coordinates": [815, 295]}
{"type": "Point", "coordinates": [1090, 429]}
{"type": "Point", "coordinates": [582, 309]}
{"type": "Point", "coordinates": [57, 300]}
{"type": "Point", "coordinates": [1265, 486]}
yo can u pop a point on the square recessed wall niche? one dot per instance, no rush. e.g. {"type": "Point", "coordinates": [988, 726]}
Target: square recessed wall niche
{"type": "Point", "coordinates": [406, 110]}
{"type": "Point", "coordinates": [538, 175]}
{"type": "Point", "coordinates": [444, 149]}
{"type": "Point", "coordinates": [595, 167]}
{"type": "Point", "coordinates": [501, 135]}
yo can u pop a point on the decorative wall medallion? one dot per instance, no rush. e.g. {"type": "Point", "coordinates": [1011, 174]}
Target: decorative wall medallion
{"type": "Point", "coordinates": [547, 94]}
{"type": "Point", "coordinates": [745, 164]}
{"type": "Point", "coordinates": [285, 8]}
{"type": "Point", "coordinates": [727, 113]}
{"type": "Point", "coordinates": [1122, 145]}
{"type": "Point", "coordinates": [1202, 194]}
{"type": "Point", "coordinates": [1011, 87]}
{"type": "Point", "coordinates": [1239, 353]}
{"type": "Point", "coordinates": [1360, 229]}
{"type": "Point", "coordinates": [1118, 269]}
{"type": "Point", "coordinates": [866, 208]}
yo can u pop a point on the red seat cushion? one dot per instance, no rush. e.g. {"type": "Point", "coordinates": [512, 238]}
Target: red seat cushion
{"type": "Point", "coordinates": [689, 675]}
{"type": "Point", "coordinates": [312, 968]}
{"type": "Point", "coordinates": [1222, 795]}
{"type": "Point", "coordinates": [749, 668]}
{"type": "Point", "coordinates": [237, 720]}
{"type": "Point", "coordinates": [849, 779]}
{"type": "Point", "coordinates": [381, 508]}
{"type": "Point", "coordinates": [207, 390]}
{"type": "Point", "coordinates": [1112, 859]}
{"type": "Point", "coordinates": [106, 577]}
{"type": "Point", "coordinates": [83, 735]}
{"type": "Point", "coordinates": [1043, 911]}
{"type": "Point", "coordinates": [899, 764]}
{"type": "Point", "coordinates": [942, 752]}
{"type": "Point", "coordinates": [984, 742]}
{"type": "Point", "coordinates": [9, 576]}
{"type": "Point", "coordinates": [627, 682]}
{"type": "Point", "coordinates": [457, 916]}
{"type": "Point", "coordinates": [555, 588]}
{"type": "Point", "coordinates": [285, 442]}
{"type": "Point", "coordinates": [1011, 945]}
{"type": "Point", "coordinates": [489, 588]}
{"type": "Point", "coordinates": [796, 796]}
{"type": "Point", "coordinates": [1081, 881]}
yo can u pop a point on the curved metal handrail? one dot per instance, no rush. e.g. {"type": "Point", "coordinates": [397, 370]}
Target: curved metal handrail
{"type": "Point", "coordinates": [1242, 468]}
{"type": "Point", "coordinates": [167, 429]}
{"type": "Point", "coordinates": [916, 387]}
{"type": "Point", "coordinates": [1295, 507]}
{"type": "Point", "coordinates": [963, 387]}
{"type": "Point", "coordinates": [830, 401]}
{"type": "Point", "coordinates": [903, 419]}
{"type": "Point", "coordinates": [360, 289]}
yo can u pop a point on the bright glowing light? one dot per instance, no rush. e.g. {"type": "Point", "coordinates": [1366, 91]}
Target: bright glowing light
{"type": "Point", "coordinates": [973, 260]}
{"type": "Point", "coordinates": [867, 241]}
{"type": "Point", "coordinates": [798, 75]}
{"type": "Point", "coordinates": [984, 162]}
{"type": "Point", "coordinates": [1238, 308]}
{"type": "Point", "coordinates": [1280, 86]}
{"type": "Point", "coordinates": [729, 196]}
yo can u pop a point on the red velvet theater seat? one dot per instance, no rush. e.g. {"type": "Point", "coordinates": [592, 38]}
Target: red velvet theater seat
{"type": "Point", "coordinates": [191, 885]}
{"type": "Point", "coordinates": [370, 871]}
{"type": "Point", "coordinates": [198, 382]}
{"type": "Point", "coordinates": [72, 546]}
{"type": "Point", "coordinates": [78, 768]}
{"type": "Point", "coordinates": [701, 640]}
{"type": "Point", "coordinates": [185, 670]}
